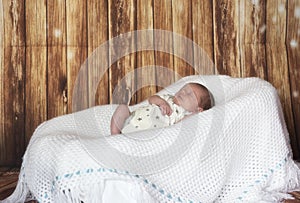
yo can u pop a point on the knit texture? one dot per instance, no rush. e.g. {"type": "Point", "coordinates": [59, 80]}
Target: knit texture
{"type": "Point", "coordinates": [237, 151]}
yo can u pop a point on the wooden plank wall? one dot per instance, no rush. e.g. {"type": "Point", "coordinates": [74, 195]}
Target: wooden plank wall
{"type": "Point", "coordinates": [44, 42]}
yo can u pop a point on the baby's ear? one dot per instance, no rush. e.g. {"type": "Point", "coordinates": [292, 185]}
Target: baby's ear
{"type": "Point", "coordinates": [200, 109]}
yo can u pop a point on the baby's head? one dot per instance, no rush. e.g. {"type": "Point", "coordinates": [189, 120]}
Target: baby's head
{"type": "Point", "coordinates": [193, 97]}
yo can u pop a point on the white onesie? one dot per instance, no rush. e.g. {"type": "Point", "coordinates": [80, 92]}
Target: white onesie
{"type": "Point", "coordinates": [150, 116]}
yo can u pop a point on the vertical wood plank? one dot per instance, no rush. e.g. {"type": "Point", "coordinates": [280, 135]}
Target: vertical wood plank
{"type": "Point", "coordinates": [76, 20]}
{"type": "Point", "coordinates": [121, 20]}
{"type": "Point", "coordinates": [2, 89]}
{"type": "Point", "coordinates": [4, 126]}
{"type": "Point", "coordinates": [252, 22]}
{"type": "Point", "coordinates": [162, 12]}
{"type": "Point", "coordinates": [292, 43]}
{"type": "Point", "coordinates": [56, 58]}
{"type": "Point", "coordinates": [182, 18]}
{"type": "Point", "coordinates": [278, 72]}
{"type": "Point", "coordinates": [202, 14]}
{"type": "Point", "coordinates": [12, 86]}
{"type": "Point", "coordinates": [276, 21]}
{"type": "Point", "coordinates": [36, 65]}
{"type": "Point", "coordinates": [226, 37]}
{"type": "Point", "coordinates": [145, 58]}
{"type": "Point", "coordinates": [97, 35]}
{"type": "Point", "coordinates": [253, 39]}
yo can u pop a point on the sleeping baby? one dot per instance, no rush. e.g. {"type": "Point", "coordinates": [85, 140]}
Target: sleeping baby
{"type": "Point", "coordinates": [162, 110]}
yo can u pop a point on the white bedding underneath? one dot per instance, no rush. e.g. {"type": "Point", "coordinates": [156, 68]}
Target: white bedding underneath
{"type": "Point", "coordinates": [119, 191]}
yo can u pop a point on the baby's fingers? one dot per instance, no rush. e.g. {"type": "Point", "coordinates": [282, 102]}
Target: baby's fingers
{"type": "Point", "coordinates": [166, 110]}
{"type": "Point", "coordinates": [163, 110]}
{"type": "Point", "coordinates": [169, 111]}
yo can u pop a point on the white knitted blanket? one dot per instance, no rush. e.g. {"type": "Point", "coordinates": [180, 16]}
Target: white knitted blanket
{"type": "Point", "coordinates": [238, 151]}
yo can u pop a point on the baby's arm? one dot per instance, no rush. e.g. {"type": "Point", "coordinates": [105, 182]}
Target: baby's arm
{"type": "Point", "coordinates": [163, 104]}
{"type": "Point", "coordinates": [118, 119]}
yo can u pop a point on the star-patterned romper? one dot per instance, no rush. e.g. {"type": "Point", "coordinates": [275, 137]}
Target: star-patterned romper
{"type": "Point", "coordinates": [150, 116]}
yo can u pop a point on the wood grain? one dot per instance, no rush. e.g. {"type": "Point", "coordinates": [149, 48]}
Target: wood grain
{"type": "Point", "coordinates": [276, 21]}
{"type": "Point", "coordinates": [293, 37]}
{"type": "Point", "coordinates": [76, 23]}
{"type": "Point", "coordinates": [12, 88]}
{"type": "Point", "coordinates": [97, 35]}
{"type": "Point", "coordinates": [36, 66]}
{"type": "Point", "coordinates": [162, 12]}
{"type": "Point", "coordinates": [278, 71]}
{"type": "Point", "coordinates": [2, 90]}
{"type": "Point", "coordinates": [202, 18]}
{"type": "Point", "coordinates": [56, 59]}
{"type": "Point", "coordinates": [121, 20]}
{"type": "Point", "coordinates": [252, 32]}
{"type": "Point", "coordinates": [226, 37]}
{"type": "Point", "coordinates": [182, 25]}
{"type": "Point", "coordinates": [8, 187]}
{"type": "Point", "coordinates": [76, 18]}
{"type": "Point", "coordinates": [145, 78]}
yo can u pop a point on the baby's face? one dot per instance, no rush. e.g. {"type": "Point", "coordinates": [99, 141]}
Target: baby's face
{"type": "Point", "coordinates": [187, 98]}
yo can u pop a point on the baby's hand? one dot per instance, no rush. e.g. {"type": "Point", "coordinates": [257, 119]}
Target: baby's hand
{"type": "Point", "coordinates": [165, 109]}
{"type": "Point", "coordinates": [163, 105]}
